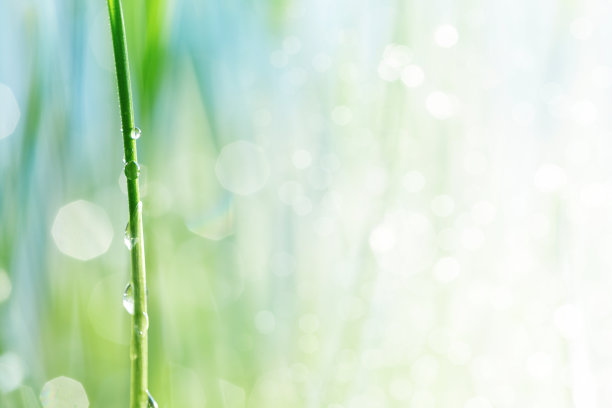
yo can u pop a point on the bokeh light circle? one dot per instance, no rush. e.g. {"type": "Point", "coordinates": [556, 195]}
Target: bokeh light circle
{"type": "Point", "coordinates": [242, 168]}
{"type": "Point", "coordinates": [82, 230]}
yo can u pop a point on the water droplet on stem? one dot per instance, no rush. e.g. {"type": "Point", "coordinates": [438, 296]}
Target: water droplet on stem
{"type": "Point", "coordinates": [135, 134]}
{"type": "Point", "coordinates": [151, 403]}
{"type": "Point", "coordinates": [142, 326]}
{"type": "Point", "coordinates": [131, 170]}
{"type": "Point", "coordinates": [128, 239]}
{"type": "Point", "coordinates": [128, 298]}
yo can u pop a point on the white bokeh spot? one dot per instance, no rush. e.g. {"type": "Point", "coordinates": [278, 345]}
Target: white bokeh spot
{"type": "Point", "coordinates": [446, 36]}
{"type": "Point", "coordinates": [63, 392]}
{"type": "Point", "coordinates": [11, 372]}
{"type": "Point", "coordinates": [242, 168]}
{"type": "Point", "coordinates": [440, 105]}
{"type": "Point", "coordinates": [9, 111]}
{"type": "Point", "coordinates": [82, 230]}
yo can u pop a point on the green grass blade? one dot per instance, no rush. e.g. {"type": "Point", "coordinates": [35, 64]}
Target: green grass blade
{"type": "Point", "coordinates": [139, 349]}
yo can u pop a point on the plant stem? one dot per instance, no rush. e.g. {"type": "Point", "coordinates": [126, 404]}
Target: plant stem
{"type": "Point", "coordinates": [139, 348]}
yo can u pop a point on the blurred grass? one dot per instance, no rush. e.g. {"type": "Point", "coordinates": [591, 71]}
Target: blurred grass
{"type": "Point", "coordinates": [301, 310]}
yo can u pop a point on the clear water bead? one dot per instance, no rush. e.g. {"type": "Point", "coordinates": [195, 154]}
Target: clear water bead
{"type": "Point", "coordinates": [151, 403]}
{"type": "Point", "coordinates": [135, 134]}
{"type": "Point", "coordinates": [128, 298]}
{"type": "Point", "coordinates": [131, 170]}
{"type": "Point", "coordinates": [128, 239]}
{"type": "Point", "coordinates": [143, 325]}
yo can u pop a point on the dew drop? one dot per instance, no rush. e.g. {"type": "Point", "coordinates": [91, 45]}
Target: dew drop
{"type": "Point", "coordinates": [131, 170]}
{"type": "Point", "coordinates": [128, 239]}
{"type": "Point", "coordinates": [135, 134]}
{"type": "Point", "coordinates": [128, 298]}
{"type": "Point", "coordinates": [151, 403]}
{"type": "Point", "coordinates": [142, 326]}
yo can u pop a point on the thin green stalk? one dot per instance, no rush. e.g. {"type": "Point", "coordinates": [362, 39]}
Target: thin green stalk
{"type": "Point", "coordinates": [139, 348]}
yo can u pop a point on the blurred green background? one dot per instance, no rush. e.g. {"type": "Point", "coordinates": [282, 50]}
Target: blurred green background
{"type": "Point", "coordinates": [347, 204]}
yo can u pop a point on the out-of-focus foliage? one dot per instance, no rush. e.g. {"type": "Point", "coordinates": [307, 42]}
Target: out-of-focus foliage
{"type": "Point", "coordinates": [347, 204]}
